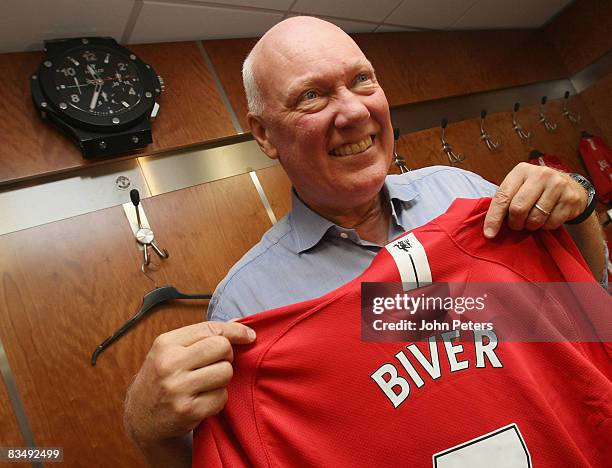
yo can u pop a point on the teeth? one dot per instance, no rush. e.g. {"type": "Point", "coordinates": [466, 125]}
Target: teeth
{"type": "Point", "coordinates": [353, 148]}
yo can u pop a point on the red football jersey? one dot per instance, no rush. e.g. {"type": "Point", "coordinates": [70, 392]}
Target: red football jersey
{"type": "Point", "coordinates": [311, 392]}
{"type": "Point", "coordinates": [597, 158]}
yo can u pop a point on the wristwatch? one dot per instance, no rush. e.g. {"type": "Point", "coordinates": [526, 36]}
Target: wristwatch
{"type": "Point", "coordinates": [98, 93]}
{"type": "Point", "coordinates": [591, 200]}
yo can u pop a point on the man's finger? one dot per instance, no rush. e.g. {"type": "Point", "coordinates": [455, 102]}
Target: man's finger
{"type": "Point", "coordinates": [547, 202]}
{"type": "Point", "coordinates": [208, 351]}
{"type": "Point", "coordinates": [236, 333]}
{"type": "Point", "coordinates": [208, 378]}
{"type": "Point", "coordinates": [501, 201]}
{"type": "Point", "coordinates": [557, 217]}
{"type": "Point", "coordinates": [522, 203]}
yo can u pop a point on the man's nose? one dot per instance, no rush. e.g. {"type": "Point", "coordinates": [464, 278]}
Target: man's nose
{"type": "Point", "coordinates": [351, 109]}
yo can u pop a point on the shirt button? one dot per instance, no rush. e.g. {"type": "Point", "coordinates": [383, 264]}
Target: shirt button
{"type": "Point", "coordinates": [344, 235]}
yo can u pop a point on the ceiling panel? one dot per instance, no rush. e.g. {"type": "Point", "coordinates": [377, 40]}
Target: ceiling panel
{"type": "Point", "coordinates": [353, 26]}
{"type": "Point", "coordinates": [367, 10]}
{"type": "Point", "coordinates": [347, 25]}
{"type": "Point", "coordinates": [489, 14]}
{"type": "Point", "coordinates": [273, 4]}
{"type": "Point", "coordinates": [390, 28]}
{"type": "Point", "coordinates": [166, 22]}
{"type": "Point", "coordinates": [433, 14]}
{"type": "Point", "coordinates": [24, 24]}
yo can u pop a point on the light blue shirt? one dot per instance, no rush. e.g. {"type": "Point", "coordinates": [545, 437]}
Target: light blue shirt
{"type": "Point", "coordinates": [305, 256]}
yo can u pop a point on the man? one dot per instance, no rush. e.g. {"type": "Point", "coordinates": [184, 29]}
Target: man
{"type": "Point", "coordinates": [315, 105]}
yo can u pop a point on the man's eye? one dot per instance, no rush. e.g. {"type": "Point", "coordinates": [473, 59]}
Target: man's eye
{"type": "Point", "coordinates": [362, 77]}
{"type": "Point", "coordinates": [310, 94]}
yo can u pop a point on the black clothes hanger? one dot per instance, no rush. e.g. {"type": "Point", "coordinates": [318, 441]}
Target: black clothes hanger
{"type": "Point", "coordinates": [151, 299]}
{"type": "Point", "coordinates": [586, 134]}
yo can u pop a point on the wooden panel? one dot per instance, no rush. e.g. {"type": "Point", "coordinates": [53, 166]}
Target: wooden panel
{"type": "Point", "coordinates": [277, 188]}
{"type": "Point", "coordinates": [422, 148]}
{"type": "Point", "coordinates": [581, 33]}
{"type": "Point", "coordinates": [68, 285]}
{"type": "Point", "coordinates": [191, 108]}
{"type": "Point", "coordinates": [419, 66]}
{"type": "Point", "coordinates": [10, 435]}
{"type": "Point", "coordinates": [191, 112]}
{"type": "Point", "coordinates": [227, 57]}
{"type": "Point", "coordinates": [598, 99]}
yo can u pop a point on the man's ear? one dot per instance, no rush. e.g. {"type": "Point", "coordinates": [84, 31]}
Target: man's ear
{"type": "Point", "coordinates": [260, 133]}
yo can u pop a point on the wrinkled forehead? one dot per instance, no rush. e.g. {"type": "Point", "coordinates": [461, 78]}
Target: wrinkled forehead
{"type": "Point", "coordinates": [284, 59]}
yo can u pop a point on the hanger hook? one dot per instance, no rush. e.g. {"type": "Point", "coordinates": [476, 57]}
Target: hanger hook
{"type": "Point", "coordinates": [144, 272]}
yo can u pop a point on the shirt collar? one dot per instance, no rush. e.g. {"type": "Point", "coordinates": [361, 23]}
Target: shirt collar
{"type": "Point", "coordinates": [310, 227]}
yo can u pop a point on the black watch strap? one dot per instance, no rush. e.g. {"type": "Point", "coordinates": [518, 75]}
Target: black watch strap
{"type": "Point", "coordinates": [591, 200]}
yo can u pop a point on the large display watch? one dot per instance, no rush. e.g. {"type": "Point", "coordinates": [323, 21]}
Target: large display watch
{"type": "Point", "coordinates": [591, 200]}
{"type": "Point", "coordinates": [97, 92]}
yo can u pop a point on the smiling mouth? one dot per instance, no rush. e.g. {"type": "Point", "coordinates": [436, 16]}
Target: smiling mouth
{"type": "Point", "coordinates": [353, 148]}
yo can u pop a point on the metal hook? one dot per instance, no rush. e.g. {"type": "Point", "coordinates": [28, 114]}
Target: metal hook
{"type": "Point", "coordinates": [144, 272]}
{"type": "Point", "coordinates": [145, 235]}
{"type": "Point", "coordinates": [398, 160]}
{"type": "Point", "coordinates": [551, 127]}
{"type": "Point", "coordinates": [523, 135]}
{"type": "Point", "coordinates": [484, 136]}
{"type": "Point", "coordinates": [446, 147]}
{"type": "Point", "coordinates": [572, 117]}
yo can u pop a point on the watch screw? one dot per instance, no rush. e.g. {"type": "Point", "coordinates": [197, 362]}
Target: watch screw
{"type": "Point", "coordinates": [135, 139]}
{"type": "Point", "coordinates": [43, 104]}
{"type": "Point", "coordinates": [47, 64]}
{"type": "Point", "coordinates": [84, 41]}
{"type": "Point", "coordinates": [132, 56]}
{"type": "Point", "coordinates": [148, 94]}
{"type": "Point", "coordinates": [63, 105]}
{"type": "Point", "coordinates": [116, 120]}
{"type": "Point", "coordinates": [102, 144]}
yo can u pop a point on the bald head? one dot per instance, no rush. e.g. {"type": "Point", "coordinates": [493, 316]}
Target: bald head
{"type": "Point", "coordinates": [279, 46]}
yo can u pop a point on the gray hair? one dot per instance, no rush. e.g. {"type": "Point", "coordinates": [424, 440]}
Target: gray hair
{"type": "Point", "coordinates": [251, 88]}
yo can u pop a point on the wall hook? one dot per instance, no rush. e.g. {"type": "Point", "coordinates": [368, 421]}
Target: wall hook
{"type": "Point", "coordinates": [446, 148]}
{"type": "Point", "coordinates": [144, 235]}
{"type": "Point", "coordinates": [523, 135]}
{"type": "Point", "coordinates": [548, 125]}
{"type": "Point", "coordinates": [398, 160]}
{"type": "Point", "coordinates": [484, 136]}
{"type": "Point", "coordinates": [572, 117]}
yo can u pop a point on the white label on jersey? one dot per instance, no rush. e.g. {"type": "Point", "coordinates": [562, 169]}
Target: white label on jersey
{"type": "Point", "coordinates": [503, 448]}
{"type": "Point", "coordinates": [411, 261]}
{"type": "Point", "coordinates": [592, 143]}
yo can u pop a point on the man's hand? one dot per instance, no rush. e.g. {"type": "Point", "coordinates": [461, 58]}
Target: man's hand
{"type": "Point", "coordinates": [182, 381]}
{"type": "Point", "coordinates": [558, 197]}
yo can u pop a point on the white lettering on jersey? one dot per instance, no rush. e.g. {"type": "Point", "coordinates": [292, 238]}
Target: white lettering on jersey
{"type": "Point", "coordinates": [397, 388]}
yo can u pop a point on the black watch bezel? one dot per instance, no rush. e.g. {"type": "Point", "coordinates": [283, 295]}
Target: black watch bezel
{"type": "Point", "coordinates": [44, 80]}
{"type": "Point", "coordinates": [591, 200]}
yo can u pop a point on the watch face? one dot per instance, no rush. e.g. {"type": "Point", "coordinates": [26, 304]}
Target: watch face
{"type": "Point", "coordinates": [97, 81]}
{"type": "Point", "coordinates": [94, 84]}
